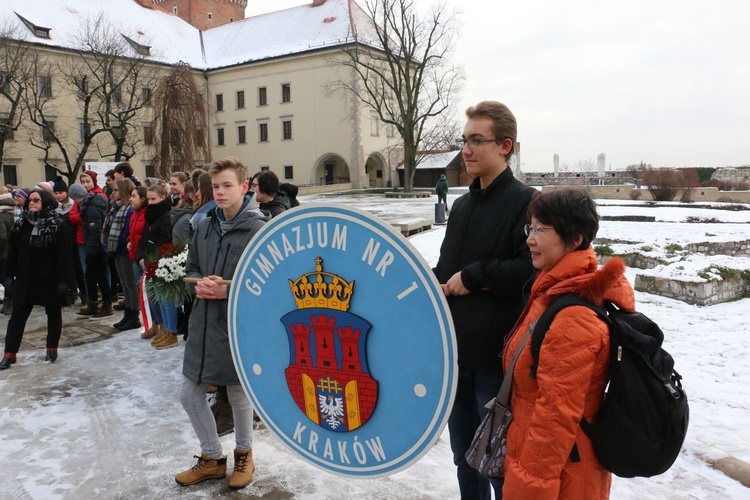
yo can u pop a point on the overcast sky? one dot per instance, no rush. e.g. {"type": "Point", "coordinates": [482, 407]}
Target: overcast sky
{"type": "Point", "coordinates": [666, 82]}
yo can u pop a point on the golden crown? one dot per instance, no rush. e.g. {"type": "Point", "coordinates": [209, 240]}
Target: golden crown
{"type": "Point", "coordinates": [322, 289]}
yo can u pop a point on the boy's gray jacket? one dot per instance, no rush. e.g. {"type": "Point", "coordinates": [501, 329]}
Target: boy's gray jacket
{"type": "Point", "coordinates": [208, 358]}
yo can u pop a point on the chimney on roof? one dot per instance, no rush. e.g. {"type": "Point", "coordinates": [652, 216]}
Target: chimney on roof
{"type": "Point", "coordinates": [318, 3]}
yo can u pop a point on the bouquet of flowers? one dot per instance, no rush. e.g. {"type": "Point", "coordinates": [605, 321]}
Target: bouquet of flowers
{"type": "Point", "coordinates": [164, 275]}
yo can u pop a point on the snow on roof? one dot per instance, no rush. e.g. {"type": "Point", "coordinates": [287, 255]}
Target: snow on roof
{"type": "Point", "coordinates": [434, 160]}
{"type": "Point", "coordinates": [289, 31]}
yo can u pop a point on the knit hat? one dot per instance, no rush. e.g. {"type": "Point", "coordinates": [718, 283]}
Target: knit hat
{"type": "Point", "coordinates": [76, 191]}
{"type": "Point", "coordinates": [91, 174]}
{"type": "Point", "coordinates": [45, 185]}
{"type": "Point", "coordinates": [59, 185]}
{"type": "Point", "coordinates": [22, 192]}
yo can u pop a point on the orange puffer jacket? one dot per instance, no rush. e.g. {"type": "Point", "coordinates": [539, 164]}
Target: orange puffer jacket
{"type": "Point", "coordinates": [548, 455]}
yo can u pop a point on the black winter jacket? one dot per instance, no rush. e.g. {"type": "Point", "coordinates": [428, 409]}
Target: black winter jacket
{"type": "Point", "coordinates": [158, 230]}
{"type": "Point", "coordinates": [37, 272]}
{"type": "Point", "coordinates": [93, 211]}
{"type": "Point", "coordinates": [485, 241]}
{"type": "Point", "coordinates": [279, 204]}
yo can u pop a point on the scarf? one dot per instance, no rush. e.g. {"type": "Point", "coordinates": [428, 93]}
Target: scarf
{"type": "Point", "coordinates": [44, 230]}
{"type": "Point", "coordinates": [116, 227]}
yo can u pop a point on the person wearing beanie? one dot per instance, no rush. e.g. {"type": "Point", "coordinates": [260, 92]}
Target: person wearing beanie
{"type": "Point", "coordinates": [48, 185]}
{"type": "Point", "coordinates": [20, 196]}
{"type": "Point", "coordinates": [6, 225]}
{"type": "Point", "coordinates": [77, 193]}
{"type": "Point", "coordinates": [88, 179]}
{"type": "Point", "coordinates": [59, 185]}
{"type": "Point", "coordinates": [66, 204]}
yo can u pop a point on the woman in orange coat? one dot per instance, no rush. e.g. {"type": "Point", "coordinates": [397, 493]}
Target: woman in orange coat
{"type": "Point", "coordinates": [548, 455]}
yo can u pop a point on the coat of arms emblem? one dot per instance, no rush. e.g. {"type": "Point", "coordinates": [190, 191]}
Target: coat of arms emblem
{"type": "Point", "coordinates": [328, 375]}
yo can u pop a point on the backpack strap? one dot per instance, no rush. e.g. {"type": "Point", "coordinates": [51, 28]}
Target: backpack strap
{"type": "Point", "coordinates": [545, 320]}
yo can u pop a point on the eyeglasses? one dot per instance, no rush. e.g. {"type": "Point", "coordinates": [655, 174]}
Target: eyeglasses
{"type": "Point", "coordinates": [35, 200]}
{"type": "Point", "coordinates": [474, 142]}
{"type": "Point", "coordinates": [254, 184]}
{"type": "Point", "coordinates": [528, 229]}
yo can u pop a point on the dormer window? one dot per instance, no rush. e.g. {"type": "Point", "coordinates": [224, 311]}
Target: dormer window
{"type": "Point", "coordinates": [144, 50]}
{"type": "Point", "coordinates": [38, 31]}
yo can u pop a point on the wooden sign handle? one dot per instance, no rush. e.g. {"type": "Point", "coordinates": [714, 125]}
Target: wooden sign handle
{"type": "Point", "coordinates": [196, 280]}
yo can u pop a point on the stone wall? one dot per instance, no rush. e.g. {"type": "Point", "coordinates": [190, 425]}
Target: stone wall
{"type": "Point", "coordinates": [622, 192]}
{"type": "Point", "coordinates": [698, 293]}
{"type": "Point", "coordinates": [733, 248]}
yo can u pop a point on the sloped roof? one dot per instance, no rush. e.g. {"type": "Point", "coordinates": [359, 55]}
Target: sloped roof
{"type": "Point", "coordinates": [285, 32]}
{"type": "Point", "coordinates": [436, 160]}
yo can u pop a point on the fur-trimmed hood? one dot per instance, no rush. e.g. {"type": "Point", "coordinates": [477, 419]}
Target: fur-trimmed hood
{"type": "Point", "coordinates": [578, 272]}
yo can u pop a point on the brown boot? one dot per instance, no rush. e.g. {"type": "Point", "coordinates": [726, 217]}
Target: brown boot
{"type": "Point", "coordinates": [160, 332]}
{"type": "Point", "coordinates": [242, 475]}
{"type": "Point", "coordinates": [105, 311]}
{"type": "Point", "coordinates": [206, 468]}
{"type": "Point", "coordinates": [151, 332]}
{"type": "Point", "coordinates": [168, 340]}
{"type": "Point", "coordinates": [88, 309]}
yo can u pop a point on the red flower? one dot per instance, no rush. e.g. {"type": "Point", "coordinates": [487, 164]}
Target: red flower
{"type": "Point", "coordinates": [150, 271]}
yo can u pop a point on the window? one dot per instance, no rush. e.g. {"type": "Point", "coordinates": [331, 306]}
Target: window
{"type": "Point", "coordinates": [48, 131]}
{"type": "Point", "coordinates": [6, 129]}
{"type": "Point", "coordinates": [262, 96]}
{"type": "Point", "coordinates": [265, 169]}
{"type": "Point", "coordinates": [390, 130]}
{"type": "Point", "coordinates": [219, 102]}
{"type": "Point", "coordinates": [148, 135]}
{"type": "Point", "coordinates": [286, 92]}
{"type": "Point", "coordinates": [263, 132]}
{"type": "Point", "coordinates": [146, 96]}
{"type": "Point", "coordinates": [4, 83]}
{"type": "Point", "coordinates": [287, 129]}
{"type": "Point", "coordinates": [84, 130]}
{"type": "Point", "coordinates": [198, 137]}
{"type": "Point", "coordinates": [210, 16]}
{"type": "Point", "coordinates": [240, 99]}
{"type": "Point", "coordinates": [50, 172]}
{"type": "Point", "coordinates": [10, 176]}
{"type": "Point", "coordinates": [379, 174]}
{"type": "Point", "coordinates": [117, 96]}
{"type": "Point", "coordinates": [150, 171]}
{"type": "Point", "coordinates": [45, 86]}
{"type": "Point", "coordinates": [374, 124]}
{"type": "Point", "coordinates": [140, 49]}
{"type": "Point", "coordinates": [82, 86]}
{"type": "Point", "coordinates": [241, 134]}
{"type": "Point", "coordinates": [174, 10]}
{"type": "Point", "coordinates": [220, 136]}
{"type": "Point", "coordinates": [39, 31]}
{"type": "Point", "coordinates": [288, 172]}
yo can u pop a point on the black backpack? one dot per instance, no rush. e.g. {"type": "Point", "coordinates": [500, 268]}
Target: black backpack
{"type": "Point", "coordinates": [643, 420]}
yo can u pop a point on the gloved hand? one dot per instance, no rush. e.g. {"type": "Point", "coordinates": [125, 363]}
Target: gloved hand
{"type": "Point", "coordinates": [62, 288]}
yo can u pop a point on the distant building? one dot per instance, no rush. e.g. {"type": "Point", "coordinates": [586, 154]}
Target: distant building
{"type": "Point", "coordinates": [431, 165]}
{"type": "Point", "coordinates": [263, 78]}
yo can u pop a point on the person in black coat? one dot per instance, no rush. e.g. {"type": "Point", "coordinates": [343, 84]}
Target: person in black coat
{"type": "Point", "coordinates": [484, 263]}
{"type": "Point", "coordinates": [266, 188]}
{"type": "Point", "coordinates": [39, 272]}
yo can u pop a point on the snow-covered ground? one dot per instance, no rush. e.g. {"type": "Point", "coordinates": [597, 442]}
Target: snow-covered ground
{"type": "Point", "coordinates": [105, 421]}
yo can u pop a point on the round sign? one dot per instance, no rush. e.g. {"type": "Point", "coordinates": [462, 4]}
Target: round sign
{"type": "Point", "coordinates": [343, 340]}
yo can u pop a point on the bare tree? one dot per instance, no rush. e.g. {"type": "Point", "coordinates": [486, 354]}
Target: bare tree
{"type": "Point", "coordinates": [107, 77]}
{"type": "Point", "coordinates": [14, 77]}
{"type": "Point", "coordinates": [180, 123]}
{"type": "Point", "coordinates": [587, 165]}
{"type": "Point", "coordinates": [404, 74]}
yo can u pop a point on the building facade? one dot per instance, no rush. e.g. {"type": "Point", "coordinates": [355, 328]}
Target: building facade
{"type": "Point", "coordinates": [265, 80]}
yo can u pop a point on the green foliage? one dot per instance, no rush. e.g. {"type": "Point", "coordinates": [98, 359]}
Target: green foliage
{"type": "Point", "coordinates": [692, 219]}
{"type": "Point", "coordinates": [646, 248]}
{"type": "Point", "coordinates": [673, 248]}
{"type": "Point", "coordinates": [705, 173]}
{"type": "Point", "coordinates": [603, 250]}
{"type": "Point", "coordinates": [725, 273]}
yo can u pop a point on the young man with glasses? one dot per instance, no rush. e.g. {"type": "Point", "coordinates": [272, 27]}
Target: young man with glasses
{"type": "Point", "coordinates": [484, 264]}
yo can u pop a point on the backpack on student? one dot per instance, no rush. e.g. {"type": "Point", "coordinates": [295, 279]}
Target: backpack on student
{"type": "Point", "coordinates": [643, 420]}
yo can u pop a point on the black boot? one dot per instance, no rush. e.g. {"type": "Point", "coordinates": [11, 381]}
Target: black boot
{"type": "Point", "coordinates": [51, 354]}
{"type": "Point", "coordinates": [125, 319]}
{"type": "Point", "coordinates": [8, 360]}
{"type": "Point", "coordinates": [132, 322]}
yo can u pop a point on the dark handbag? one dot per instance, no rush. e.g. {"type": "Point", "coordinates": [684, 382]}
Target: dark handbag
{"type": "Point", "coordinates": [487, 451]}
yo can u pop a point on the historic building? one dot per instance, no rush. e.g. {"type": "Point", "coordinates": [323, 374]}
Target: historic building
{"type": "Point", "coordinates": [265, 81]}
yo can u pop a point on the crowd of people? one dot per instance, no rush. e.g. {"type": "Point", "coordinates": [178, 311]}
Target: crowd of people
{"type": "Point", "coordinates": [508, 253]}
